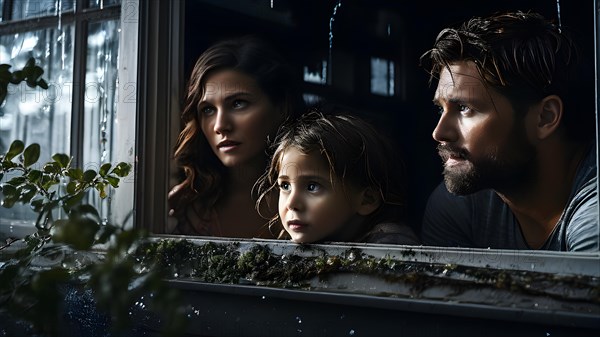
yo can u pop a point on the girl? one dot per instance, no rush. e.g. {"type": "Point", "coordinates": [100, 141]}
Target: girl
{"type": "Point", "coordinates": [239, 93]}
{"type": "Point", "coordinates": [337, 181]}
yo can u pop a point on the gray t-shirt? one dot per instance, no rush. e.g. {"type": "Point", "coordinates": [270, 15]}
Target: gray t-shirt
{"type": "Point", "coordinates": [483, 220]}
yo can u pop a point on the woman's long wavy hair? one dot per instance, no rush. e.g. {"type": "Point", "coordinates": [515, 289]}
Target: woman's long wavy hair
{"type": "Point", "coordinates": [204, 174]}
{"type": "Point", "coordinates": [525, 57]}
{"type": "Point", "coordinates": [356, 153]}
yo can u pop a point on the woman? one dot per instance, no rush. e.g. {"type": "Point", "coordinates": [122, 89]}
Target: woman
{"type": "Point", "coordinates": [239, 93]}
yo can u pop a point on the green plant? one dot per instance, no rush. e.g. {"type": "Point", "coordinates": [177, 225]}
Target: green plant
{"type": "Point", "coordinates": [34, 294]}
{"type": "Point", "coordinates": [31, 74]}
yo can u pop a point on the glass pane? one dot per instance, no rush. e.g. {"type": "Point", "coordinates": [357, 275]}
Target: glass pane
{"type": "Point", "coordinates": [317, 73]}
{"type": "Point", "coordinates": [36, 115]}
{"type": "Point", "coordinates": [100, 100]}
{"type": "Point", "coordinates": [382, 77]}
{"type": "Point", "coordinates": [102, 3]}
{"type": "Point", "coordinates": [24, 9]}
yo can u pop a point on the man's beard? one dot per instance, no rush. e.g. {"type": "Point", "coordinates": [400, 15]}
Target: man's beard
{"type": "Point", "coordinates": [507, 168]}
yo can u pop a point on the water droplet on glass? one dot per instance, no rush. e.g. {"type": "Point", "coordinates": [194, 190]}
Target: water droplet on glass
{"type": "Point", "coordinates": [331, 19]}
{"type": "Point", "coordinates": [264, 297]}
{"type": "Point", "coordinates": [351, 333]}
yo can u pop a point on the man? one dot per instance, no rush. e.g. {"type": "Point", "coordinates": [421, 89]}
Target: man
{"type": "Point", "coordinates": [516, 136]}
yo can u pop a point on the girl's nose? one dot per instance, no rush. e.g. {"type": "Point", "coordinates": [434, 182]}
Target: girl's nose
{"type": "Point", "coordinates": [294, 201]}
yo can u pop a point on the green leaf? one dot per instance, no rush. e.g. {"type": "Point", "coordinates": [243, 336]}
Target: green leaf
{"type": "Point", "coordinates": [75, 173]}
{"type": "Point", "coordinates": [104, 169]}
{"type": "Point", "coordinates": [34, 176]}
{"type": "Point", "coordinates": [105, 233]}
{"type": "Point", "coordinates": [37, 204]}
{"type": "Point", "coordinates": [16, 181]}
{"type": "Point", "coordinates": [51, 167]}
{"type": "Point", "coordinates": [17, 77]}
{"type": "Point", "coordinates": [27, 192]}
{"type": "Point", "coordinates": [122, 169]}
{"type": "Point", "coordinates": [71, 187]}
{"type": "Point", "coordinates": [30, 63]}
{"type": "Point", "coordinates": [113, 181]}
{"type": "Point", "coordinates": [80, 229]}
{"type": "Point", "coordinates": [9, 190]}
{"type": "Point", "coordinates": [73, 200]}
{"type": "Point", "coordinates": [31, 154]}
{"type": "Point", "coordinates": [62, 159]}
{"type": "Point", "coordinates": [85, 210]}
{"type": "Point", "coordinates": [89, 175]}
{"type": "Point", "coordinates": [8, 202]}
{"type": "Point", "coordinates": [15, 149]}
{"type": "Point", "coordinates": [101, 187]}
{"type": "Point", "coordinates": [42, 84]}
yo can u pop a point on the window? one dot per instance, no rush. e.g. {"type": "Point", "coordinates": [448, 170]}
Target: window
{"type": "Point", "coordinates": [77, 43]}
{"type": "Point", "coordinates": [100, 94]}
{"type": "Point", "coordinates": [382, 76]}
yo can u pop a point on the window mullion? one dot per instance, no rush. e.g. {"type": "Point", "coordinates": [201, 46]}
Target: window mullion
{"type": "Point", "coordinates": [77, 113]}
{"type": "Point", "coordinates": [7, 10]}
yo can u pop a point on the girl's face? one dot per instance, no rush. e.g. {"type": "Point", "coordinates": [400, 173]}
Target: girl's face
{"type": "Point", "coordinates": [235, 117]}
{"type": "Point", "coordinates": [310, 207]}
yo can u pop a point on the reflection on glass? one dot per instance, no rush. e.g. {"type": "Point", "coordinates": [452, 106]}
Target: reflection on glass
{"type": "Point", "coordinates": [102, 3]}
{"type": "Point", "coordinates": [382, 77]}
{"type": "Point", "coordinates": [36, 115]}
{"type": "Point", "coordinates": [25, 9]}
{"type": "Point", "coordinates": [100, 99]}
{"type": "Point", "coordinates": [317, 73]}
{"type": "Point", "coordinates": [1, 7]}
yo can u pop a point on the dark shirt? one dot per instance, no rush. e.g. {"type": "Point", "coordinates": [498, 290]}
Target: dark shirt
{"type": "Point", "coordinates": [483, 220]}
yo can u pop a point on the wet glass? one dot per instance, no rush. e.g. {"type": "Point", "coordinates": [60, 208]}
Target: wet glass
{"type": "Point", "coordinates": [100, 98]}
{"type": "Point", "coordinates": [37, 115]}
{"type": "Point", "coordinates": [25, 9]}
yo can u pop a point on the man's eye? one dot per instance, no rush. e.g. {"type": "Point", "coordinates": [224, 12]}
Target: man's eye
{"type": "Point", "coordinates": [465, 110]}
{"type": "Point", "coordinates": [439, 110]}
{"type": "Point", "coordinates": [313, 187]}
{"type": "Point", "coordinates": [239, 104]}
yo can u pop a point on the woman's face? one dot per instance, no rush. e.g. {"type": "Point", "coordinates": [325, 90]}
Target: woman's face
{"type": "Point", "coordinates": [236, 116]}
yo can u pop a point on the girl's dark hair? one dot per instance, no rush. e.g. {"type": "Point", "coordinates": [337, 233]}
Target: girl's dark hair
{"type": "Point", "coordinates": [204, 173]}
{"type": "Point", "coordinates": [526, 58]}
{"type": "Point", "coordinates": [355, 152]}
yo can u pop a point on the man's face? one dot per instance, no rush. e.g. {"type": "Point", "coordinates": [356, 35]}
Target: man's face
{"type": "Point", "coordinates": [482, 143]}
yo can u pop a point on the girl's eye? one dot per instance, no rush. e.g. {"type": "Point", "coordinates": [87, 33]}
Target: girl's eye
{"type": "Point", "coordinates": [284, 186]}
{"type": "Point", "coordinates": [239, 104]}
{"type": "Point", "coordinates": [313, 187]}
{"type": "Point", "coordinates": [439, 109]}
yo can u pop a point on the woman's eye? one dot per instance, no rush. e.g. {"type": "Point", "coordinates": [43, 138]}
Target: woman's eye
{"type": "Point", "coordinates": [239, 104]}
{"type": "Point", "coordinates": [207, 110]}
{"type": "Point", "coordinates": [313, 187]}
